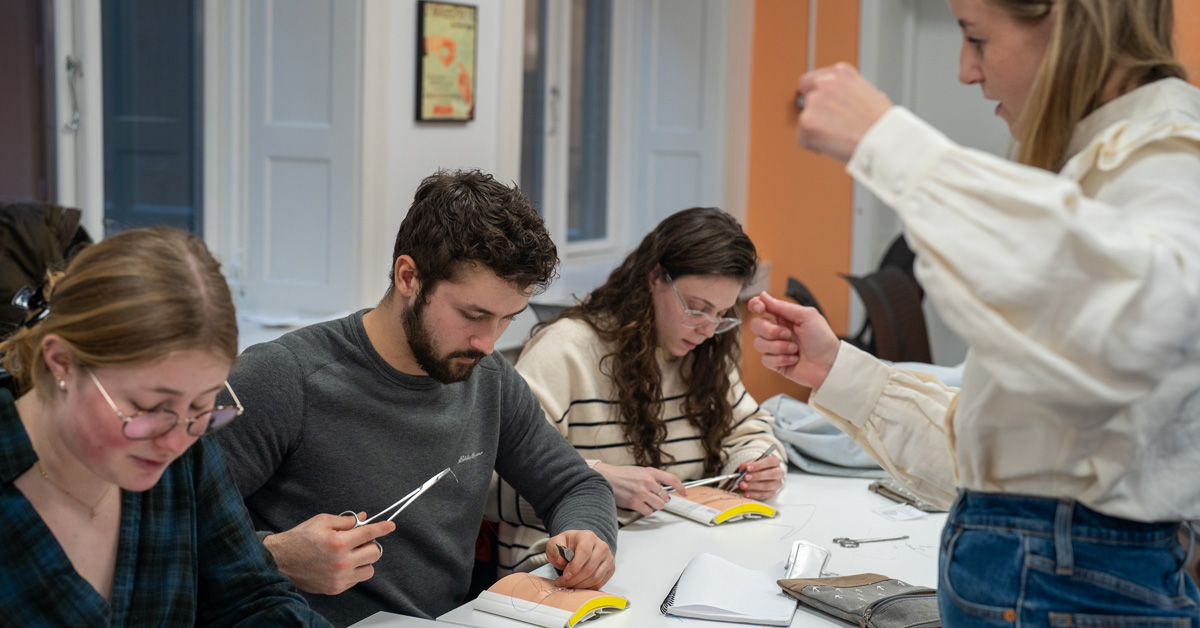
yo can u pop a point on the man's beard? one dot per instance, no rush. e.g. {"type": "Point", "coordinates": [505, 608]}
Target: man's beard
{"type": "Point", "coordinates": [420, 344]}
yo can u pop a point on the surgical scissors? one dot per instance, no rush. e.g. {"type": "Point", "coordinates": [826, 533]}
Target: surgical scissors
{"type": "Point", "coordinates": [402, 503]}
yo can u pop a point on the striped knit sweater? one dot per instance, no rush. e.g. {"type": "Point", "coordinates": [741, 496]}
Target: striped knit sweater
{"type": "Point", "coordinates": [562, 366]}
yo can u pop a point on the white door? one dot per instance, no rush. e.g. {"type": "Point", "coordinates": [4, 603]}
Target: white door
{"type": "Point", "coordinates": [302, 209]}
{"type": "Point", "coordinates": [680, 55]}
{"type": "Point", "coordinates": [909, 48]}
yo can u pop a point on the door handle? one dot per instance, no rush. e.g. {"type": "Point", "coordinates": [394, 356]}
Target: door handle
{"type": "Point", "coordinates": [74, 71]}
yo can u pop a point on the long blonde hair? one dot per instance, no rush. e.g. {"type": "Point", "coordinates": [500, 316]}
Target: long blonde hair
{"type": "Point", "coordinates": [129, 300]}
{"type": "Point", "coordinates": [1092, 39]}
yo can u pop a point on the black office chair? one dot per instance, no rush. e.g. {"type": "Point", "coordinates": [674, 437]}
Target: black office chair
{"type": "Point", "coordinates": [895, 326]}
{"type": "Point", "coordinates": [895, 321]}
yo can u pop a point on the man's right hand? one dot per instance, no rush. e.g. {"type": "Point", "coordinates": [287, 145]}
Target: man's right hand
{"type": "Point", "coordinates": [640, 488]}
{"type": "Point", "coordinates": [327, 554]}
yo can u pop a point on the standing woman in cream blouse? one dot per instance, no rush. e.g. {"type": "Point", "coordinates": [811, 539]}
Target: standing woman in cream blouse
{"type": "Point", "coordinates": [1072, 451]}
{"type": "Point", "coordinates": [641, 377]}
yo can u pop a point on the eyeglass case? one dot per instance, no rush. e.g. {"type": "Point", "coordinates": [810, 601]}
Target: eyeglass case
{"type": "Point", "coordinates": [870, 600]}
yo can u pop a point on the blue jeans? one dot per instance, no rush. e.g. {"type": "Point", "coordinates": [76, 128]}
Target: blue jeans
{"type": "Point", "coordinates": [1015, 560]}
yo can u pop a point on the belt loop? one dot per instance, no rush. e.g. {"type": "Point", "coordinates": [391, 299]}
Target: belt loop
{"type": "Point", "coordinates": [1062, 537]}
{"type": "Point", "coordinates": [1189, 529]}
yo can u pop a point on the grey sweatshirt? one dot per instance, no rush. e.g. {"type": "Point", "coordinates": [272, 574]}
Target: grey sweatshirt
{"type": "Point", "coordinates": [330, 426]}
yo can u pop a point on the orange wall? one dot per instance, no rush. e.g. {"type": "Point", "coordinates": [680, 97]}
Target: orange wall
{"type": "Point", "coordinates": [799, 205]}
{"type": "Point", "coordinates": [1187, 36]}
{"type": "Point", "coordinates": [798, 209]}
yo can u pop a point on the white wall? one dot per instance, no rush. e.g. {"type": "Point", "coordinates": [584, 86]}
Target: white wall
{"type": "Point", "coordinates": [399, 152]}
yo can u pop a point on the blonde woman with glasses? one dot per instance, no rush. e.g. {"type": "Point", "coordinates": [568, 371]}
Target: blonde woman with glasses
{"type": "Point", "coordinates": [115, 511]}
{"type": "Point", "coordinates": [1072, 451]}
{"type": "Point", "coordinates": [641, 377]}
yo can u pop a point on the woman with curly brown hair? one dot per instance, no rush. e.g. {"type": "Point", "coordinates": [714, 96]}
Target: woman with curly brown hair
{"type": "Point", "coordinates": [641, 376]}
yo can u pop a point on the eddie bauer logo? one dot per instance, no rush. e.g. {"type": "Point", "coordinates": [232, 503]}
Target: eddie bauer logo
{"type": "Point", "coordinates": [462, 459]}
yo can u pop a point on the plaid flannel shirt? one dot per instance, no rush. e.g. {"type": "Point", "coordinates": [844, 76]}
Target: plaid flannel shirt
{"type": "Point", "coordinates": [186, 556]}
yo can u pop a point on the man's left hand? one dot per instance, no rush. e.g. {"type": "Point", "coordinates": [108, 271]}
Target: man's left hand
{"type": "Point", "coordinates": [592, 565]}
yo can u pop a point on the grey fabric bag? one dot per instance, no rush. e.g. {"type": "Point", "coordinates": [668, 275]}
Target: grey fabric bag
{"type": "Point", "coordinates": [869, 600]}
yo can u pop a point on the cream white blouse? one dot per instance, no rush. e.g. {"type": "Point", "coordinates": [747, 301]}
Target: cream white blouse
{"type": "Point", "coordinates": [1079, 295]}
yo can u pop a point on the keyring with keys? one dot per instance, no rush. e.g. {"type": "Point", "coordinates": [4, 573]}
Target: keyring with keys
{"type": "Point", "coordinates": [851, 543]}
{"type": "Point", "coordinates": [402, 503]}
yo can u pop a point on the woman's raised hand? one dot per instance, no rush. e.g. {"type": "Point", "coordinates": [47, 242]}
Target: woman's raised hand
{"type": "Point", "coordinates": [839, 107]}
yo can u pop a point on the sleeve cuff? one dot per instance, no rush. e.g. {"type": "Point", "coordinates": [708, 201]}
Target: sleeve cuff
{"type": "Point", "coordinates": [895, 153]}
{"type": "Point", "coordinates": [853, 386]}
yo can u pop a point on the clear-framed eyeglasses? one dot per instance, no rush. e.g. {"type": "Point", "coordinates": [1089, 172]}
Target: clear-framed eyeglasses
{"type": "Point", "coordinates": [150, 424]}
{"type": "Point", "coordinates": [695, 319]}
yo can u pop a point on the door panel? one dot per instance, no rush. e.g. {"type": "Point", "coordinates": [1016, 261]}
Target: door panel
{"type": "Point", "coordinates": [151, 114]}
{"type": "Point", "coordinates": [681, 112]}
{"type": "Point", "coordinates": [301, 204]}
{"type": "Point", "coordinates": [26, 116]}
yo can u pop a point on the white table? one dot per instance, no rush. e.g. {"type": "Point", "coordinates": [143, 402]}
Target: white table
{"type": "Point", "coordinates": [652, 552]}
{"type": "Point", "coordinates": [384, 619]}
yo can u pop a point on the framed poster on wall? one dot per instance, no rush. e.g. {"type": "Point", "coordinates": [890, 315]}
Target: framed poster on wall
{"type": "Point", "coordinates": [446, 36]}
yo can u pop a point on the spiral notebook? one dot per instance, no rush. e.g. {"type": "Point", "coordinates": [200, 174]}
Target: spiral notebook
{"type": "Point", "coordinates": [711, 587]}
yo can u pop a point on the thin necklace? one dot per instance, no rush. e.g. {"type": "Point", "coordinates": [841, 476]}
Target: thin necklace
{"type": "Point", "coordinates": [91, 509]}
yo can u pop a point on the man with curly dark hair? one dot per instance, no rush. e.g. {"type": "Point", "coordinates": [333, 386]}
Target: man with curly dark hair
{"type": "Point", "coordinates": [354, 413]}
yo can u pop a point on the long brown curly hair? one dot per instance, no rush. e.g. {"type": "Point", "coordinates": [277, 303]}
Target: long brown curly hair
{"type": "Point", "coordinates": [697, 241]}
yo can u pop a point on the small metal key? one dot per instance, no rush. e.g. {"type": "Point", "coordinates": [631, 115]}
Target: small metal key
{"type": "Point", "coordinates": [848, 542]}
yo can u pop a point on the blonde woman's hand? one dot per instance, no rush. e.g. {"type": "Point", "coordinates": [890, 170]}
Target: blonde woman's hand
{"type": "Point", "coordinates": [640, 488]}
{"type": "Point", "coordinates": [839, 107]}
{"type": "Point", "coordinates": [795, 341]}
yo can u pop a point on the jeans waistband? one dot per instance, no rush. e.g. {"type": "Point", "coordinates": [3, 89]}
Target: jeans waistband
{"type": "Point", "coordinates": [1055, 517]}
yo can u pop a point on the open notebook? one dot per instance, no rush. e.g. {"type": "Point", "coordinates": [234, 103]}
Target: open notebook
{"type": "Point", "coordinates": [536, 600]}
{"type": "Point", "coordinates": [711, 506]}
{"type": "Point", "coordinates": [714, 588]}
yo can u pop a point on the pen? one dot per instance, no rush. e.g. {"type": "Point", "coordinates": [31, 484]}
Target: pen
{"type": "Point", "coordinates": [738, 480]}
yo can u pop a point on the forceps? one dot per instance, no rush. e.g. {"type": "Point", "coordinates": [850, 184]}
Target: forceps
{"type": "Point", "coordinates": [402, 503]}
{"type": "Point", "coordinates": [712, 480]}
{"type": "Point", "coordinates": [852, 543]}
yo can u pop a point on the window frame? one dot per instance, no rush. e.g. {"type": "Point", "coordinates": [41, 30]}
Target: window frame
{"type": "Point", "coordinates": [556, 139]}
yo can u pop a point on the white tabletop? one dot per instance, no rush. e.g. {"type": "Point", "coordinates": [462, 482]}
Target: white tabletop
{"type": "Point", "coordinates": [652, 552]}
{"type": "Point", "coordinates": [384, 619]}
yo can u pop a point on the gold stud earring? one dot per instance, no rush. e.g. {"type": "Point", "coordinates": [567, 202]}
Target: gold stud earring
{"type": "Point", "coordinates": [61, 384]}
